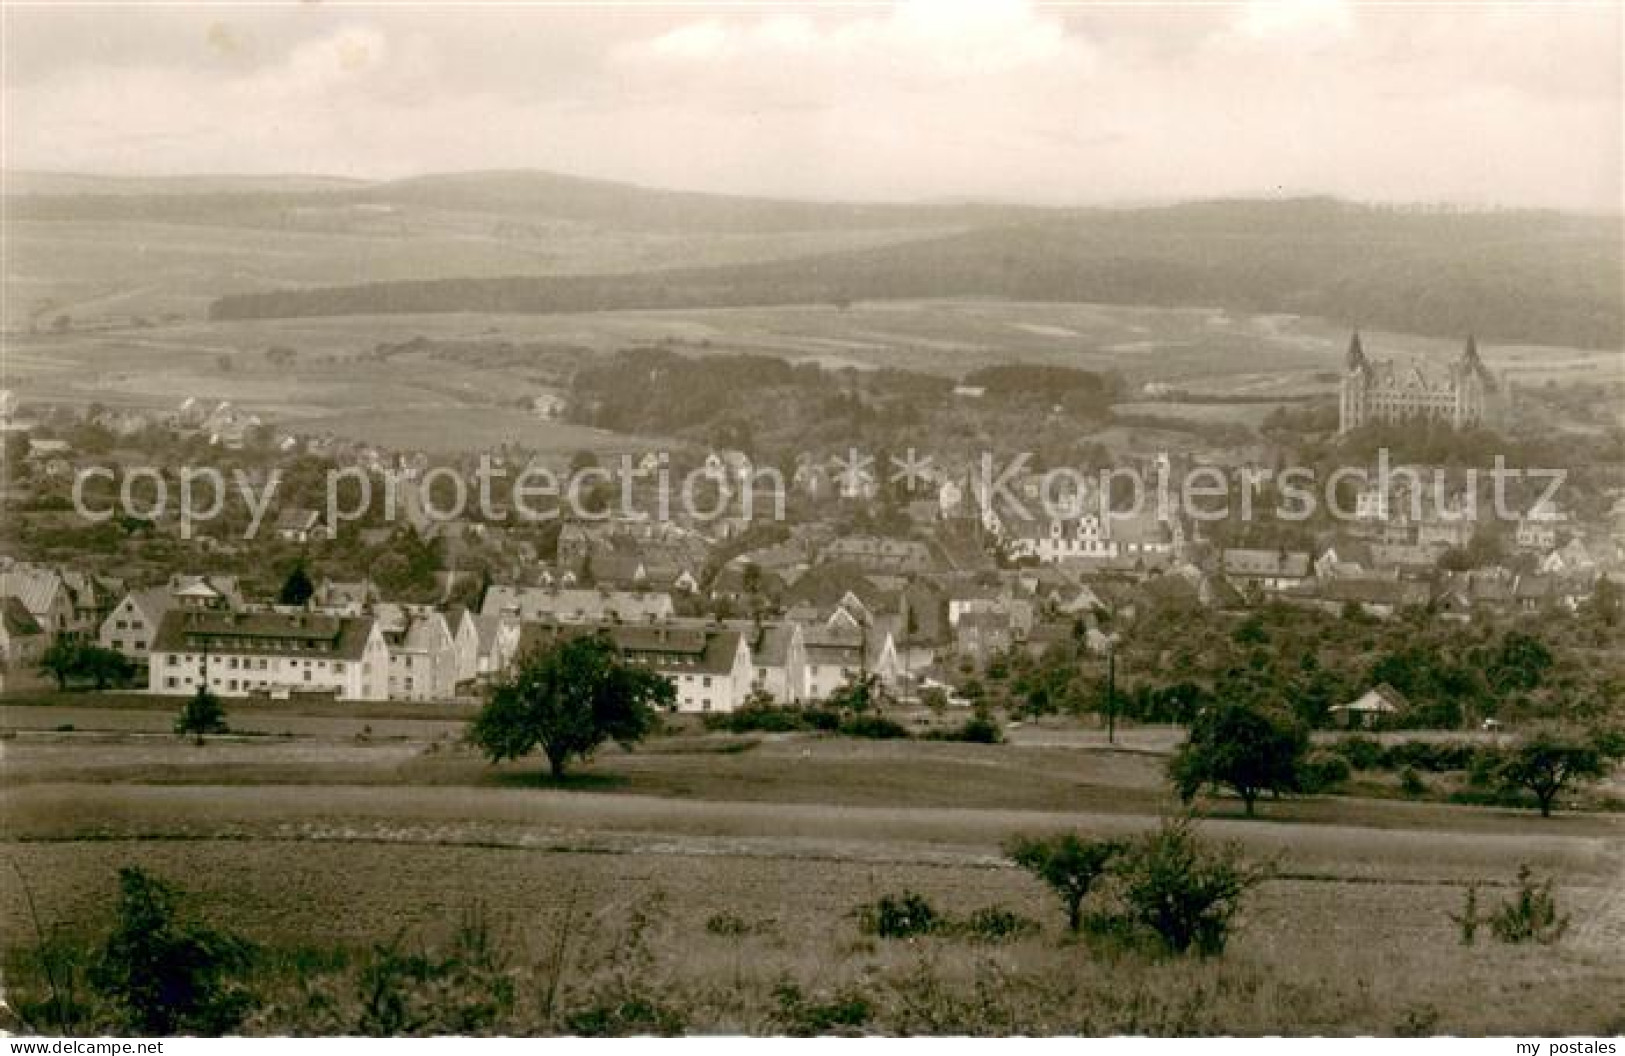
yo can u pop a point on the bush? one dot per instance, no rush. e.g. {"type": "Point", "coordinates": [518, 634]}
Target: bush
{"type": "Point", "coordinates": [1323, 771]}
{"type": "Point", "coordinates": [901, 916]}
{"type": "Point", "coordinates": [997, 924]}
{"type": "Point", "coordinates": [757, 719]}
{"type": "Point", "coordinates": [1362, 753]}
{"type": "Point", "coordinates": [1186, 892]}
{"type": "Point", "coordinates": [874, 727]}
{"type": "Point", "coordinates": [843, 1012]}
{"type": "Point", "coordinates": [1531, 915]}
{"type": "Point", "coordinates": [169, 975]}
{"type": "Point", "coordinates": [977, 730]}
{"type": "Point", "coordinates": [1411, 783]}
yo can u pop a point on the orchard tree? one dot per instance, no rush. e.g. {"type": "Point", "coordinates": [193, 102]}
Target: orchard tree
{"type": "Point", "coordinates": [567, 700]}
{"type": "Point", "coordinates": [1549, 760]}
{"type": "Point", "coordinates": [1243, 746]}
{"type": "Point", "coordinates": [1068, 863]}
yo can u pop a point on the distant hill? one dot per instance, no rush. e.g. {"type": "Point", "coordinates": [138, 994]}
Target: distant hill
{"type": "Point", "coordinates": [522, 195]}
{"type": "Point", "coordinates": [1524, 276]}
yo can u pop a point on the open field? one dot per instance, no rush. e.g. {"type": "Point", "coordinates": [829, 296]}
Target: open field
{"type": "Point", "coordinates": [332, 832]}
{"type": "Point", "coordinates": [337, 385]}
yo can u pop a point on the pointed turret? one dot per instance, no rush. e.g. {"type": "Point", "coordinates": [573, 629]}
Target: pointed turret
{"type": "Point", "coordinates": [1356, 357]}
{"type": "Point", "coordinates": [1472, 364]}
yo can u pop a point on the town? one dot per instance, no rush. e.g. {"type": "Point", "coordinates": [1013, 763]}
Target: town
{"type": "Point", "coordinates": [919, 575]}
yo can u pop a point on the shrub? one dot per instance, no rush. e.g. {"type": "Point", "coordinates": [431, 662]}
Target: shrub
{"type": "Point", "coordinates": [874, 727]}
{"type": "Point", "coordinates": [1531, 915]}
{"type": "Point", "coordinates": [997, 924]}
{"type": "Point", "coordinates": [169, 975]}
{"type": "Point", "coordinates": [727, 924]}
{"type": "Point", "coordinates": [1362, 753]}
{"type": "Point", "coordinates": [902, 916]}
{"type": "Point", "coordinates": [1323, 771]}
{"type": "Point", "coordinates": [1411, 783]}
{"type": "Point", "coordinates": [976, 730]}
{"type": "Point", "coordinates": [1183, 890]}
{"type": "Point", "coordinates": [758, 719]}
{"type": "Point", "coordinates": [1468, 920]}
{"type": "Point", "coordinates": [800, 1017]}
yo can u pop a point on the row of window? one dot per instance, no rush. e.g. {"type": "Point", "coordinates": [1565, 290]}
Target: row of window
{"type": "Point", "coordinates": [245, 663]}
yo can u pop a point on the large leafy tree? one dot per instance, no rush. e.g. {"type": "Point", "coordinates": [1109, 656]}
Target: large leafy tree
{"type": "Point", "coordinates": [567, 700]}
{"type": "Point", "coordinates": [1549, 760]}
{"type": "Point", "coordinates": [1242, 745]}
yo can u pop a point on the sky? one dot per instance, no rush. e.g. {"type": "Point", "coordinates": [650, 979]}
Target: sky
{"type": "Point", "coordinates": [1474, 103]}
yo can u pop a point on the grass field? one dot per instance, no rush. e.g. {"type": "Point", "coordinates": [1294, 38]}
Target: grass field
{"type": "Point", "coordinates": [716, 876]}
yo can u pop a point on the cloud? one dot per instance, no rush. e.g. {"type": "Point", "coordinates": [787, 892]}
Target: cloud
{"type": "Point", "coordinates": [925, 99]}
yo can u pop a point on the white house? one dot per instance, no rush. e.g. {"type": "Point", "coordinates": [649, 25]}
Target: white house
{"type": "Point", "coordinates": [238, 654]}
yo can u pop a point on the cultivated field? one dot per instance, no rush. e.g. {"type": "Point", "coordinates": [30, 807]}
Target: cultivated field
{"type": "Point", "coordinates": [710, 872]}
{"type": "Point", "coordinates": [446, 401]}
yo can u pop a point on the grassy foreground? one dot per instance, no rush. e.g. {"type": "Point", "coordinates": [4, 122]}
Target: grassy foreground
{"type": "Point", "coordinates": [710, 884]}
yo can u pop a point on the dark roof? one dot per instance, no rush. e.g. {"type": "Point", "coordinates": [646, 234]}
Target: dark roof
{"type": "Point", "coordinates": [705, 650]}
{"type": "Point", "coordinates": [18, 620]}
{"type": "Point", "coordinates": [341, 637]}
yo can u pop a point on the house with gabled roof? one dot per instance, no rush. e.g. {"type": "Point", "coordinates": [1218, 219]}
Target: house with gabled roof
{"type": "Point", "coordinates": [133, 624]}
{"type": "Point", "coordinates": [22, 640]}
{"type": "Point", "coordinates": [708, 665]}
{"type": "Point", "coordinates": [1377, 705]}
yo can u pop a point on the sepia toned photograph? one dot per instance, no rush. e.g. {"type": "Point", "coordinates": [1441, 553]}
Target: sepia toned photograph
{"type": "Point", "coordinates": [951, 518]}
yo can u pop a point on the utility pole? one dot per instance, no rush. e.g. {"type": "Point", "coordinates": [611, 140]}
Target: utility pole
{"type": "Point", "coordinates": [1111, 693]}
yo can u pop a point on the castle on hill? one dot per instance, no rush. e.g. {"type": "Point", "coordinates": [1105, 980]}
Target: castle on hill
{"type": "Point", "coordinates": [1465, 395]}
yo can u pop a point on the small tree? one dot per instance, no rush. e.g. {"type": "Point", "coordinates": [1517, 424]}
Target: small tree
{"type": "Point", "coordinates": [1248, 748]}
{"type": "Point", "coordinates": [568, 700]}
{"type": "Point", "coordinates": [201, 714]}
{"type": "Point", "coordinates": [858, 694]}
{"type": "Point", "coordinates": [1183, 890]}
{"type": "Point", "coordinates": [168, 975]}
{"type": "Point", "coordinates": [106, 666]}
{"type": "Point", "coordinates": [60, 660]}
{"type": "Point", "coordinates": [1549, 760]}
{"type": "Point", "coordinates": [297, 589]}
{"type": "Point", "coordinates": [1068, 863]}
{"type": "Point", "coordinates": [1531, 915]}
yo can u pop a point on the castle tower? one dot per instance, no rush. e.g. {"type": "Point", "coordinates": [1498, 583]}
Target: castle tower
{"type": "Point", "coordinates": [1352, 390]}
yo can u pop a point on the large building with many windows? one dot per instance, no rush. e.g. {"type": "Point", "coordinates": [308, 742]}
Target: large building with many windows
{"type": "Point", "coordinates": [1464, 395]}
{"type": "Point", "coordinates": [275, 654]}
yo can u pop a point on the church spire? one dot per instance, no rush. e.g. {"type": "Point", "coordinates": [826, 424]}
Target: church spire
{"type": "Point", "coordinates": [1356, 356]}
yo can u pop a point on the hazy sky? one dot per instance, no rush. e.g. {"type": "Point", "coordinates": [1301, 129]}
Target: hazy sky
{"type": "Point", "coordinates": [1480, 103]}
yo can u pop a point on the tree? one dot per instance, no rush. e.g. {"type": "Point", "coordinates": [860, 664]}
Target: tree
{"type": "Point", "coordinates": [169, 975]}
{"type": "Point", "coordinates": [60, 660]}
{"type": "Point", "coordinates": [1548, 760]}
{"type": "Point", "coordinates": [297, 589]}
{"type": "Point", "coordinates": [106, 666]}
{"type": "Point", "coordinates": [1520, 663]}
{"type": "Point", "coordinates": [1185, 891]}
{"type": "Point", "coordinates": [568, 699]}
{"type": "Point", "coordinates": [1247, 747]}
{"type": "Point", "coordinates": [860, 693]}
{"type": "Point", "coordinates": [202, 714]}
{"type": "Point", "coordinates": [1069, 864]}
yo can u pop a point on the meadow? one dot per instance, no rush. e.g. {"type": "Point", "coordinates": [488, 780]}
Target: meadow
{"type": "Point", "coordinates": [710, 882]}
